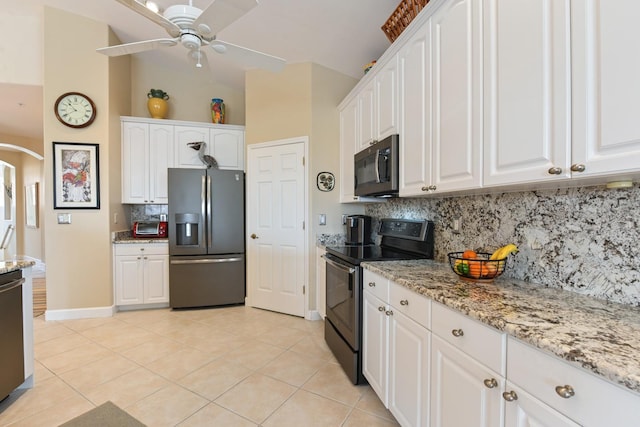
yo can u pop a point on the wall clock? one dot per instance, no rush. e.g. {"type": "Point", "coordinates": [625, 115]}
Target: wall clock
{"type": "Point", "coordinates": [75, 110]}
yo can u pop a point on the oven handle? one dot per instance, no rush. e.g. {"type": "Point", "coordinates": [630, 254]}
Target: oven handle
{"type": "Point", "coordinates": [378, 166]}
{"type": "Point", "coordinates": [339, 266]}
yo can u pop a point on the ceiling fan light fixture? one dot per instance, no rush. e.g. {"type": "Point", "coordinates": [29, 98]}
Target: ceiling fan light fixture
{"type": "Point", "coordinates": [190, 41]}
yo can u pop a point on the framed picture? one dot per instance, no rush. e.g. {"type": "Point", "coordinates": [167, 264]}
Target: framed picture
{"type": "Point", "coordinates": [76, 176]}
{"type": "Point", "coordinates": [31, 205]}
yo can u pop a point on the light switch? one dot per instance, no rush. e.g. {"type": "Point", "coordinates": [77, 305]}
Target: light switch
{"type": "Point", "coordinates": [64, 218]}
{"type": "Point", "coordinates": [322, 219]}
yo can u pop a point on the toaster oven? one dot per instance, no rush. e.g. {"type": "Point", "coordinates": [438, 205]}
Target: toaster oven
{"type": "Point", "coordinates": [144, 229]}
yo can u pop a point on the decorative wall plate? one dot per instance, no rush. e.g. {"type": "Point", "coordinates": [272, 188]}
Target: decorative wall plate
{"type": "Point", "coordinates": [325, 181]}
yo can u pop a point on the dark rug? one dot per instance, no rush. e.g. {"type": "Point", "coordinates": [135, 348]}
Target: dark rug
{"type": "Point", "coordinates": [105, 415]}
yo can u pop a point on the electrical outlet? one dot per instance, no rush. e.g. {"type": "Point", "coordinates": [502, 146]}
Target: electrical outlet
{"type": "Point", "coordinates": [322, 219]}
{"type": "Point", "coordinates": [457, 223]}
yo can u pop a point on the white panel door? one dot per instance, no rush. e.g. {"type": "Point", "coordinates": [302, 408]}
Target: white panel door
{"type": "Point", "coordinates": [528, 91]}
{"type": "Point", "coordinates": [156, 279]}
{"type": "Point", "coordinates": [276, 269]}
{"type": "Point", "coordinates": [606, 86]}
{"type": "Point", "coordinates": [366, 116]}
{"type": "Point", "coordinates": [457, 95]}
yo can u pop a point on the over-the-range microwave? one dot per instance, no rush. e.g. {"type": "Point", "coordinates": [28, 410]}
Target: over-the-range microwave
{"type": "Point", "coordinates": [376, 169]}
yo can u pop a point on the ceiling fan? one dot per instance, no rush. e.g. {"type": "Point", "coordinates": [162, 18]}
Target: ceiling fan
{"type": "Point", "coordinates": [194, 29]}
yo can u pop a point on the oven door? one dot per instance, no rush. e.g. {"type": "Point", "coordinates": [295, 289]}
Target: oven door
{"type": "Point", "coordinates": [344, 299]}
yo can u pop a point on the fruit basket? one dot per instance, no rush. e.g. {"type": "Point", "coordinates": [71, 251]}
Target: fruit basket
{"type": "Point", "coordinates": [478, 269]}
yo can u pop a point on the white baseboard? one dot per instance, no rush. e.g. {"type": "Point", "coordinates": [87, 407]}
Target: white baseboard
{"type": "Point", "coordinates": [313, 315]}
{"type": "Point", "coordinates": [79, 313]}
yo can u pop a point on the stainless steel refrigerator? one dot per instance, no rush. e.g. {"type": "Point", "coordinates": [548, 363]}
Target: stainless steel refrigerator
{"type": "Point", "coordinates": [206, 237]}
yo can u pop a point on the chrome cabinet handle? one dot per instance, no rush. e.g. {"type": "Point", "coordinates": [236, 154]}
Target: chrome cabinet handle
{"type": "Point", "coordinates": [404, 302]}
{"type": "Point", "coordinates": [510, 396]}
{"type": "Point", "coordinates": [555, 171]}
{"type": "Point", "coordinates": [457, 333]}
{"type": "Point", "coordinates": [425, 188]}
{"type": "Point", "coordinates": [490, 383]}
{"type": "Point", "coordinates": [432, 188]}
{"type": "Point", "coordinates": [381, 308]}
{"type": "Point", "coordinates": [577, 168]}
{"type": "Point", "coordinates": [565, 391]}
{"type": "Point", "coordinates": [372, 284]}
{"type": "Point", "coordinates": [389, 313]}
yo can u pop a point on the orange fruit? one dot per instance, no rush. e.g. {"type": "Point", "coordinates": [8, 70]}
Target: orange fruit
{"type": "Point", "coordinates": [475, 269]}
{"type": "Point", "coordinates": [469, 254]}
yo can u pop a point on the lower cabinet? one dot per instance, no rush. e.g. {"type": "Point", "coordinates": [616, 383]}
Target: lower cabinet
{"type": "Point", "coordinates": [141, 274]}
{"type": "Point", "coordinates": [522, 409]}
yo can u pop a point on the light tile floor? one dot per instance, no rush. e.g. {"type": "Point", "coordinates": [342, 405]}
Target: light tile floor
{"type": "Point", "coordinates": [234, 366]}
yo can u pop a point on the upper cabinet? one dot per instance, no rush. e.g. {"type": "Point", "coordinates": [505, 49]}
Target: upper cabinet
{"type": "Point", "coordinates": [605, 87]}
{"type": "Point", "coordinates": [348, 141]}
{"type": "Point", "coordinates": [527, 97]}
{"type": "Point", "coordinates": [224, 144]}
{"type": "Point", "coordinates": [186, 156]}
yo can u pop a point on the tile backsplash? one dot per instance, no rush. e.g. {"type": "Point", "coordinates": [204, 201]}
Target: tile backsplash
{"type": "Point", "coordinates": [586, 240]}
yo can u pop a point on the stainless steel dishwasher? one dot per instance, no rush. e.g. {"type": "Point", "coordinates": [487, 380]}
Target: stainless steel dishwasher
{"type": "Point", "coordinates": [11, 332]}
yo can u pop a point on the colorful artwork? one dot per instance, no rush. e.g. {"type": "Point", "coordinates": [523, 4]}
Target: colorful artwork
{"type": "Point", "coordinates": [76, 176]}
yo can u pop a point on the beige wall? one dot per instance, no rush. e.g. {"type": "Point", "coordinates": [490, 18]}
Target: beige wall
{"type": "Point", "coordinates": [79, 254]}
{"type": "Point", "coordinates": [189, 95]}
{"type": "Point", "coordinates": [302, 101]}
{"type": "Point", "coordinates": [32, 239]}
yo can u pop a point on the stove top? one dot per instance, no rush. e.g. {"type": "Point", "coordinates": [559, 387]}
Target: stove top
{"type": "Point", "coordinates": [355, 254]}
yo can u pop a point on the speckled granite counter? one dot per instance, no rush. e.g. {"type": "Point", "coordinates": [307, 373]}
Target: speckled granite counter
{"type": "Point", "coordinates": [9, 266]}
{"type": "Point", "coordinates": [126, 237]}
{"type": "Point", "coordinates": [601, 337]}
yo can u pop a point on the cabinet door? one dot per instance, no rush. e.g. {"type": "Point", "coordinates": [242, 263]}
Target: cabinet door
{"type": "Point", "coordinates": [227, 147]}
{"type": "Point", "coordinates": [526, 410]}
{"type": "Point", "coordinates": [129, 280]}
{"type": "Point", "coordinates": [366, 117]}
{"type": "Point", "coordinates": [187, 157]}
{"type": "Point", "coordinates": [409, 356]}
{"type": "Point", "coordinates": [161, 152]}
{"type": "Point", "coordinates": [386, 106]}
{"type": "Point", "coordinates": [527, 96]}
{"type": "Point", "coordinates": [606, 87]}
{"type": "Point", "coordinates": [459, 396]}
{"type": "Point", "coordinates": [135, 162]}
{"type": "Point", "coordinates": [156, 278]}
{"type": "Point", "coordinates": [374, 344]}
{"type": "Point", "coordinates": [415, 121]}
{"type": "Point", "coordinates": [457, 95]}
{"type": "Point", "coordinates": [348, 141]}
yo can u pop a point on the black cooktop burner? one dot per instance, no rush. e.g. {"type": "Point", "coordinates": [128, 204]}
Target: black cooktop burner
{"type": "Point", "coordinates": [358, 253]}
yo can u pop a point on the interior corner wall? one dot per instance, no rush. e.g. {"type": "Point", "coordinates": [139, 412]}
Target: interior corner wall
{"type": "Point", "coordinates": [32, 238]}
{"type": "Point", "coordinates": [78, 254]}
{"type": "Point", "coordinates": [189, 94]}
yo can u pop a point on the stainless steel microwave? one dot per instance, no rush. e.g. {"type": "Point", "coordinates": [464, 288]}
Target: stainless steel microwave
{"type": "Point", "coordinates": [376, 169]}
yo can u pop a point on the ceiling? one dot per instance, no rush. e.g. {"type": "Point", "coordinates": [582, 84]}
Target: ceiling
{"type": "Point", "coordinates": [342, 35]}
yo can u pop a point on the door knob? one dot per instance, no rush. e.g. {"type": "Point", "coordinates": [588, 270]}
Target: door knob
{"type": "Point", "coordinates": [254, 236]}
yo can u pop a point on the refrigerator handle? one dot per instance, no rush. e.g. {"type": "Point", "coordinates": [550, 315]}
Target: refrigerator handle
{"type": "Point", "coordinates": [209, 218]}
{"type": "Point", "coordinates": [203, 208]}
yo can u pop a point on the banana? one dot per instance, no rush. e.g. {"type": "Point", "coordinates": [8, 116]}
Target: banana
{"type": "Point", "coordinates": [503, 252]}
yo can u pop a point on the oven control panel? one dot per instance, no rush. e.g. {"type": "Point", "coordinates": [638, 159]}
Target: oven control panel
{"type": "Point", "coordinates": [404, 228]}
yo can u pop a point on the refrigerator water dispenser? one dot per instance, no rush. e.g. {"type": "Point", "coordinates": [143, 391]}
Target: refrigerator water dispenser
{"type": "Point", "coordinates": [187, 229]}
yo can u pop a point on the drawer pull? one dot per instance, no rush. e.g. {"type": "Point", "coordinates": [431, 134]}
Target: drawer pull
{"type": "Point", "coordinates": [457, 333]}
{"type": "Point", "coordinates": [510, 396]}
{"type": "Point", "coordinates": [555, 171]}
{"type": "Point", "coordinates": [404, 302]}
{"type": "Point", "coordinates": [372, 284]}
{"type": "Point", "coordinates": [565, 391]}
{"type": "Point", "coordinates": [491, 383]}
{"type": "Point", "coordinates": [389, 313]}
{"type": "Point", "coordinates": [381, 308]}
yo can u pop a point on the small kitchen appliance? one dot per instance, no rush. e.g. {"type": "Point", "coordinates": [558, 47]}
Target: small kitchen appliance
{"type": "Point", "coordinates": [145, 229]}
{"type": "Point", "coordinates": [358, 230]}
{"type": "Point", "coordinates": [376, 169]}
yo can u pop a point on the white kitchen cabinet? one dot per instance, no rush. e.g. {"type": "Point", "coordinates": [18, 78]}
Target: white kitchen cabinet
{"type": "Point", "coordinates": [141, 274]}
{"type": "Point", "coordinates": [375, 325]}
{"type": "Point", "coordinates": [187, 157]}
{"type": "Point", "coordinates": [522, 409]}
{"type": "Point", "coordinates": [321, 281]}
{"type": "Point", "coordinates": [227, 147]}
{"type": "Point", "coordinates": [348, 141]}
{"type": "Point", "coordinates": [527, 99]}
{"type": "Point", "coordinates": [541, 379]}
{"type": "Point", "coordinates": [415, 122]}
{"type": "Point", "coordinates": [605, 87]}
{"type": "Point", "coordinates": [147, 153]}
{"type": "Point", "coordinates": [366, 115]}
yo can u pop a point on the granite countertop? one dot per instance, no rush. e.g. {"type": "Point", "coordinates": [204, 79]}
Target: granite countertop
{"type": "Point", "coordinates": [596, 335]}
{"type": "Point", "coordinates": [9, 266]}
{"type": "Point", "coordinates": [126, 237]}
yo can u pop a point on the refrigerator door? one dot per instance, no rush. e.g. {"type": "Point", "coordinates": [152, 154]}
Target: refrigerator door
{"type": "Point", "coordinates": [225, 228]}
{"type": "Point", "coordinates": [187, 211]}
{"type": "Point", "coordinates": [206, 280]}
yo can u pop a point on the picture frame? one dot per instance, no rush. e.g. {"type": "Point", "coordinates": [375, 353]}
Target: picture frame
{"type": "Point", "coordinates": [76, 176]}
{"type": "Point", "coordinates": [31, 205]}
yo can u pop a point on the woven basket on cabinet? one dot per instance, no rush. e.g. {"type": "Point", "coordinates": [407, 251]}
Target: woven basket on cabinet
{"type": "Point", "coordinates": [402, 17]}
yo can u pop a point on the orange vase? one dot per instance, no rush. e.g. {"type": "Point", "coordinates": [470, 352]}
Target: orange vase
{"type": "Point", "coordinates": [157, 108]}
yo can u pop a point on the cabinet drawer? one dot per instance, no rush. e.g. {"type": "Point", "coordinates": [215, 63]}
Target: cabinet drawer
{"type": "Point", "coordinates": [138, 249]}
{"type": "Point", "coordinates": [411, 304]}
{"type": "Point", "coordinates": [483, 343]}
{"type": "Point", "coordinates": [596, 402]}
{"type": "Point", "coordinates": [376, 284]}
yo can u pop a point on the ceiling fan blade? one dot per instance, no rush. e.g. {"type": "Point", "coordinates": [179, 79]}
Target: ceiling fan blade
{"type": "Point", "coordinates": [248, 57]}
{"type": "Point", "coordinates": [220, 14]}
{"type": "Point", "coordinates": [140, 8]}
{"type": "Point", "coordinates": [137, 47]}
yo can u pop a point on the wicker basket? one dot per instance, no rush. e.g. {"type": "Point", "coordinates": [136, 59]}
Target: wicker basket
{"type": "Point", "coordinates": [402, 17]}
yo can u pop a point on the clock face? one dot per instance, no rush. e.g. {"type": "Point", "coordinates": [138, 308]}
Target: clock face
{"type": "Point", "coordinates": [75, 110]}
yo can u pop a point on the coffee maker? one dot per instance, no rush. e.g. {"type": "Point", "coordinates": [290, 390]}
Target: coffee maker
{"type": "Point", "coordinates": [358, 230]}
